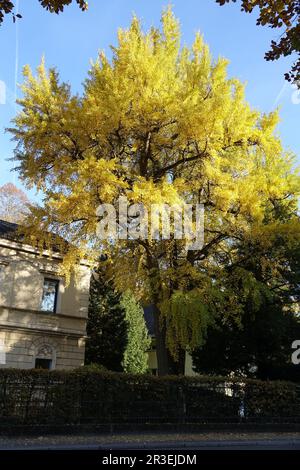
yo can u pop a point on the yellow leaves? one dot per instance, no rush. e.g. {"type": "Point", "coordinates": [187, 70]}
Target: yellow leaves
{"type": "Point", "coordinates": [85, 187]}
{"type": "Point", "coordinates": [171, 32]}
{"type": "Point", "coordinates": [100, 174]}
{"type": "Point", "coordinates": [219, 74]}
{"type": "Point", "coordinates": [126, 267]}
{"type": "Point", "coordinates": [285, 234]}
{"type": "Point", "coordinates": [148, 192]}
{"type": "Point", "coordinates": [44, 88]}
{"type": "Point", "coordinates": [187, 315]}
{"type": "Point", "coordinates": [201, 54]}
{"type": "Point", "coordinates": [158, 124]}
{"type": "Point", "coordinates": [268, 122]}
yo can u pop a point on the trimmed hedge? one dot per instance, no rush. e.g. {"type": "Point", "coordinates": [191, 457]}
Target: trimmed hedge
{"type": "Point", "coordinates": [85, 397]}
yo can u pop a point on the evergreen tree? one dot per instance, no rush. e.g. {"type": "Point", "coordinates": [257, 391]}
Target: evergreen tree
{"type": "Point", "coordinates": [135, 357]}
{"type": "Point", "coordinates": [106, 326]}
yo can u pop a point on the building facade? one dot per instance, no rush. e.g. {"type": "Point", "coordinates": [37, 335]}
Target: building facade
{"type": "Point", "coordinates": [42, 319]}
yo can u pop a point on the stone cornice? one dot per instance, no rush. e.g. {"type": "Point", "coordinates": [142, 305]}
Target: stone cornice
{"type": "Point", "coordinates": [41, 312]}
{"type": "Point", "coordinates": [50, 332]}
{"type": "Point", "coordinates": [25, 248]}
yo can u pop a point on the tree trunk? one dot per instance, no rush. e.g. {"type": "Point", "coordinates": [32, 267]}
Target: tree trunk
{"type": "Point", "coordinates": [165, 362]}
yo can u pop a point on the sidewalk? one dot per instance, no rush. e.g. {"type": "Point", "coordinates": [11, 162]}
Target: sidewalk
{"type": "Point", "coordinates": [208, 441]}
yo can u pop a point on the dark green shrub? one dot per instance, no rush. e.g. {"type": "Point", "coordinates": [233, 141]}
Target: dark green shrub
{"type": "Point", "coordinates": [86, 396]}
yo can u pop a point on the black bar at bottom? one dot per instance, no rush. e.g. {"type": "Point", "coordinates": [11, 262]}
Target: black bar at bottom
{"type": "Point", "coordinates": [140, 458]}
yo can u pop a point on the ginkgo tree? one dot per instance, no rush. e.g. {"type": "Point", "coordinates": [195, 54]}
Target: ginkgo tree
{"type": "Point", "coordinates": [159, 123]}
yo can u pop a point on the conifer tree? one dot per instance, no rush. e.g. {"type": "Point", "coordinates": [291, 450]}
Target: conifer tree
{"type": "Point", "coordinates": [135, 359]}
{"type": "Point", "coordinates": [106, 326]}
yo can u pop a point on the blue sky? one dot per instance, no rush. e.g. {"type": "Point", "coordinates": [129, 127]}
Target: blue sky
{"type": "Point", "coordinates": [69, 41]}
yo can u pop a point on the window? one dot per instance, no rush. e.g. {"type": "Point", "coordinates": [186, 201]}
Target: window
{"type": "Point", "coordinates": [44, 356]}
{"type": "Point", "coordinates": [49, 299]}
{"type": "Point", "coordinates": [43, 363]}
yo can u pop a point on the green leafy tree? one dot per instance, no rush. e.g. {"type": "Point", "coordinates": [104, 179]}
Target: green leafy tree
{"type": "Point", "coordinates": [135, 356]}
{"type": "Point", "coordinates": [106, 326]}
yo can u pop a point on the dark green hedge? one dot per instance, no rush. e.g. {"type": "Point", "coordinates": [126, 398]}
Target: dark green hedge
{"type": "Point", "coordinates": [85, 397]}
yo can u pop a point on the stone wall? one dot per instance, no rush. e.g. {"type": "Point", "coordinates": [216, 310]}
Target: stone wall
{"type": "Point", "coordinates": [22, 348]}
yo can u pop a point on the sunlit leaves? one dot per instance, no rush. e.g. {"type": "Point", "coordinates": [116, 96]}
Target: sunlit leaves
{"type": "Point", "coordinates": [160, 124]}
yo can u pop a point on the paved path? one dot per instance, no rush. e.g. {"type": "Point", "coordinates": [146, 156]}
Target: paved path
{"type": "Point", "coordinates": [211, 441]}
